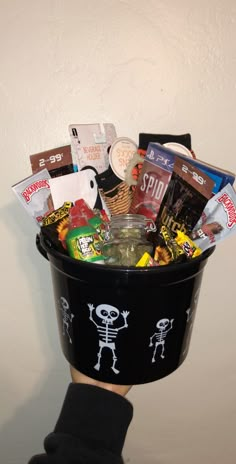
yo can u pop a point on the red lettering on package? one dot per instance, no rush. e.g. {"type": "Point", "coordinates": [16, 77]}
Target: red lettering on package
{"type": "Point", "coordinates": [229, 208]}
{"type": "Point", "coordinates": [33, 188]}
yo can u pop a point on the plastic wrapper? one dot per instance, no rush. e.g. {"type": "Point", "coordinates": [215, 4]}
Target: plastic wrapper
{"type": "Point", "coordinates": [146, 261]}
{"type": "Point", "coordinates": [218, 220]}
{"type": "Point", "coordinates": [162, 255]}
{"type": "Point", "coordinates": [55, 227]}
{"type": "Point", "coordinates": [35, 195]}
{"type": "Point", "coordinates": [176, 251]}
{"type": "Point", "coordinates": [188, 246]}
{"type": "Point", "coordinates": [93, 219]}
{"type": "Point", "coordinates": [82, 241]}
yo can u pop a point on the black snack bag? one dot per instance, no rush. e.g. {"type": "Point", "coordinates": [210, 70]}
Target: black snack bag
{"type": "Point", "coordinates": [145, 139]}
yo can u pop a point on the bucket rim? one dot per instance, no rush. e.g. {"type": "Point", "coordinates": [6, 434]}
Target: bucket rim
{"type": "Point", "coordinates": [46, 250]}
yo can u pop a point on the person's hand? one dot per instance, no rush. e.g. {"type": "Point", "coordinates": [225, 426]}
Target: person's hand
{"type": "Point", "coordinates": [78, 377]}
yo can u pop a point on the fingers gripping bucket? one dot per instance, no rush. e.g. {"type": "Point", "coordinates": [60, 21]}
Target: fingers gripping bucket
{"type": "Point", "coordinates": [124, 325]}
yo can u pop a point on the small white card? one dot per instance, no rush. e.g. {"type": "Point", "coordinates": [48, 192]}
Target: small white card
{"type": "Point", "coordinates": [90, 144]}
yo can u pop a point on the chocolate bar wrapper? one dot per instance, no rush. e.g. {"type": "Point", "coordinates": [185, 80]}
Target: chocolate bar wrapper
{"type": "Point", "coordinates": [218, 220]}
{"type": "Point", "coordinates": [35, 195]}
{"type": "Point", "coordinates": [146, 261]}
{"type": "Point", "coordinates": [176, 253]}
{"type": "Point", "coordinates": [55, 227]}
{"type": "Point", "coordinates": [188, 246]}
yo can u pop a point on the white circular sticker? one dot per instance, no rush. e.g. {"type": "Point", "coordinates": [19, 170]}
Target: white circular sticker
{"type": "Point", "coordinates": [121, 152]}
{"type": "Point", "coordinates": [179, 148]}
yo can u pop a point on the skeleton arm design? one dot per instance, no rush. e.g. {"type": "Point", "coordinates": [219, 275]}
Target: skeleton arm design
{"type": "Point", "coordinates": [161, 333]}
{"type": "Point", "coordinates": [151, 338]}
{"type": "Point", "coordinates": [125, 315]}
{"type": "Point", "coordinates": [171, 325]}
{"type": "Point", "coordinates": [91, 308]}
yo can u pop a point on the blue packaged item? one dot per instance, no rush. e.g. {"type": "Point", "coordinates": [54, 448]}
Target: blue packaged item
{"type": "Point", "coordinates": [220, 176]}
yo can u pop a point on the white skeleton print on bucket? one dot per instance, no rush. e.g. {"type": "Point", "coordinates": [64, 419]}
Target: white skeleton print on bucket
{"type": "Point", "coordinates": [190, 314]}
{"type": "Point", "coordinates": [191, 310]}
{"type": "Point", "coordinates": [163, 326]}
{"type": "Point", "coordinates": [67, 317]}
{"type": "Point", "coordinates": [107, 334]}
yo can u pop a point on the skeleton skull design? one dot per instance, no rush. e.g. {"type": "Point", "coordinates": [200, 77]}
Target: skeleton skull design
{"type": "Point", "coordinates": [107, 313]}
{"type": "Point", "coordinates": [162, 324]}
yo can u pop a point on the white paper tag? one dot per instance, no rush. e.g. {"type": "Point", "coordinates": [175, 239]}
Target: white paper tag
{"type": "Point", "coordinates": [122, 151]}
{"type": "Point", "coordinates": [90, 144]}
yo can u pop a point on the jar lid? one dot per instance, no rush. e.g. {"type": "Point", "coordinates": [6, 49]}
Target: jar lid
{"type": "Point", "coordinates": [129, 220]}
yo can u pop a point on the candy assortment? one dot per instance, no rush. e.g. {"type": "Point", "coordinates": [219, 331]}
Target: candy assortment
{"type": "Point", "coordinates": [147, 204]}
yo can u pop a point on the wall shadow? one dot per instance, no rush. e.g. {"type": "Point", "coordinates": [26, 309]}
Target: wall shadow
{"type": "Point", "coordinates": [22, 435]}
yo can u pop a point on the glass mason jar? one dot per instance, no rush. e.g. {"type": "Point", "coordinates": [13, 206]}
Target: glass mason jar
{"type": "Point", "coordinates": [127, 239]}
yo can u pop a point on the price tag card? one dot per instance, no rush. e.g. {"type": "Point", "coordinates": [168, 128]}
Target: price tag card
{"type": "Point", "coordinates": [57, 161]}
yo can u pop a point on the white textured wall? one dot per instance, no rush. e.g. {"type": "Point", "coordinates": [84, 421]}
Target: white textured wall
{"type": "Point", "coordinates": [158, 66]}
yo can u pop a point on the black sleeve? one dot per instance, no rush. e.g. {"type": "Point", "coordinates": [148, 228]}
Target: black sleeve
{"type": "Point", "coordinates": [91, 428]}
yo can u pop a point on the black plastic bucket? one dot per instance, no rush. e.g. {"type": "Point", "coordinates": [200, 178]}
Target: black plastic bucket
{"type": "Point", "coordinates": [124, 325]}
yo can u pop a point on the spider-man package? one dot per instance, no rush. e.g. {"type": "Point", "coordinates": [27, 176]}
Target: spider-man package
{"type": "Point", "coordinates": [153, 181]}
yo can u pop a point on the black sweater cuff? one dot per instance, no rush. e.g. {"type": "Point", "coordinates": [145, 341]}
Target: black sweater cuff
{"type": "Point", "coordinates": [96, 416]}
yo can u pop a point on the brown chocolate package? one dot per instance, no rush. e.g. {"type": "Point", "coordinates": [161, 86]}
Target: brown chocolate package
{"type": "Point", "coordinates": [186, 196]}
{"type": "Point", "coordinates": [58, 161]}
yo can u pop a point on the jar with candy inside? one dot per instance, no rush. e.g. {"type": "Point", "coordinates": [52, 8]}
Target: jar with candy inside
{"type": "Point", "coordinates": [127, 239]}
